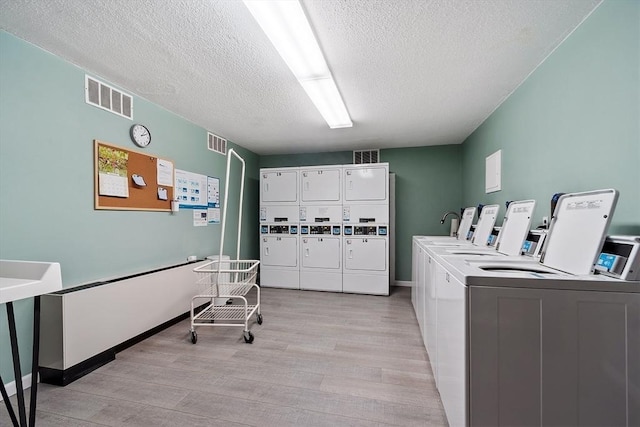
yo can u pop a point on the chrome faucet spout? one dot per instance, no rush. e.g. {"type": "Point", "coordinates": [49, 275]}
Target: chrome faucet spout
{"type": "Point", "coordinates": [444, 217]}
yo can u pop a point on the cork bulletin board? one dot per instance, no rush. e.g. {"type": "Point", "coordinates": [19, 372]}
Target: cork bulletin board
{"type": "Point", "coordinates": [125, 179]}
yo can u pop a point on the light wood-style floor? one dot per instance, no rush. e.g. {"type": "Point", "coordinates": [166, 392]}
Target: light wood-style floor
{"type": "Point", "coordinates": [319, 359]}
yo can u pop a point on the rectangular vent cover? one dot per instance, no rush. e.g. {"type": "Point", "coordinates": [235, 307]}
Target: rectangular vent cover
{"type": "Point", "coordinates": [366, 156]}
{"type": "Point", "coordinates": [108, 98]}
{"type": "Point", "coordinates": [216, 143]}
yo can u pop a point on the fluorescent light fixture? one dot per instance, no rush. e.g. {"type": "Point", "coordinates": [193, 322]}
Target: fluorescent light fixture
{"type": "Point", "coordinates": [286, 25]}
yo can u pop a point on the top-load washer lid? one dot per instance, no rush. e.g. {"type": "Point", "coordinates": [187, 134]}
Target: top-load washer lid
{"type": "Point", "coordinates": [578, 230]}
{"type": "Point", "coordinates": [485, 225]}
{"type": "Point", "coordinates": [515, 227]}
{"type": "Point", "coordinates": [465, 222]}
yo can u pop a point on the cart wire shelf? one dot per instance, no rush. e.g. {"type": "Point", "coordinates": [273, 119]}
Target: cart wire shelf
{"type": "Point", "coordinates": [231, 279]}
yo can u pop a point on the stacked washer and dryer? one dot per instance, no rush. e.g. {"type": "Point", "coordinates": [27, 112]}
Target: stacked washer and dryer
{"type": "Point", "coordinates": [279, 221]}
{"type": "Point", "coordinates": [339, 237]}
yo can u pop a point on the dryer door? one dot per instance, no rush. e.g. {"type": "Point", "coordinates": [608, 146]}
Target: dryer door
{"type": "Point", "coordinates": [320, 185]}
{"type": "Point", "coordinates": [279, 187]}
{"type": "Point", "coordinates": [279, 251]}
{"type": "Point", "coordinates": [365, 253]}
{"type": "Point", "coordinates": [366, 184]}
{"type": "Point", "coordinates": [321, 252]}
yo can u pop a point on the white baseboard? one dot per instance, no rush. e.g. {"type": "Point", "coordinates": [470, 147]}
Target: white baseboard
{"type": "Point", "coordinates": [11, 387]}
{"type": "Point", "coordinates": [404, 283]}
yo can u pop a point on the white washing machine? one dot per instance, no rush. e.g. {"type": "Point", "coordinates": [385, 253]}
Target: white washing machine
{"type": "Point", "coordinates": [498, 320]}
{"type": "Point", "coordinates": [366, 259]}
{"type": "Point", "coordinates": [321, 256]}
{"type": "Point", "coordinates": [365, 218]}
{"type": "Point", "coordinates": [321, 228]}
{"type": "Point", "coordinates": [279, 255]}
{"type": "Point", "coordinates": [511, 238]}
{"type": "Point", "coordinates": [279, 186]}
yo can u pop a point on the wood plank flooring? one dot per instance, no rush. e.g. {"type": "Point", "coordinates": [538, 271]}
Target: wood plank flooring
{"type": "Point", "coordinates": [319, 359]}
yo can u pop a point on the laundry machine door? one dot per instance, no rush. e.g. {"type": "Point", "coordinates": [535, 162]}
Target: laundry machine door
{"type": "Point", "coordinates": [366, 184]}
{"type": "Point", "coordinates": [279, 186]}
{"type": "Point", "coordinates": [321, 252]}
{"type": "Point", "coordinates": [365, 253]}
{"type": "Point", "coordinates": [279, 251]}
{"type": "Point", "coordinates": [320, 185]}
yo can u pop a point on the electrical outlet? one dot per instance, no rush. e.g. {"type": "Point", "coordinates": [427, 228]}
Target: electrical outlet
{"type": "Point", "coordinates": [545, 221]}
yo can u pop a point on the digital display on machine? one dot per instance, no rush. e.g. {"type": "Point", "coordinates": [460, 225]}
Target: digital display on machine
{"type": "Point", "coordinates": [348, 230]}
{"type": "Point", "coordinates": [611, 263]}
{"type": "Point", "coordinates": [264, 229]}
{"type": "Point", "coordinates": [470, 232]}
{"type": "Point", "coordinates": [336, 230]}
{"type": "Point", "coordinates": [304, 229]}
{"type": "Point", "coordinates": [362, 230]}
{"type": "Point", "coordinates": [382, 231]}
{"type": "Point", "coordinates": [320, 229]}
{"type": "Point", "coordinates": [493, 237]}
{"type": "Point", "coordinates": [530, 245]}
{"type": "Point", "coordinates": [294, 229]}
{"type": "Point", "coordinates": [278, 229]}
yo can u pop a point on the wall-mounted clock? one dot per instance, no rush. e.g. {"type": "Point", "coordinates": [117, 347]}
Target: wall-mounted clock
{"type": "Point", "coordinates": [140, 135]}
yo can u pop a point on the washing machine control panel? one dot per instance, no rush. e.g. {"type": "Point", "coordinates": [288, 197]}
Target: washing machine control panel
{"type": "Point", "coordinates": [493, 237]}
{"type": "Point", "coordinates": [282, 229]}
{"type": "Point", "coordinates": [320, 229]}
{"type": "Point", "coordinates": [365, 230]}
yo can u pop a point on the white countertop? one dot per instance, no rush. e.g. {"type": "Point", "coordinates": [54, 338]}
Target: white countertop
{"type": "Point", "coordinates": [26, 279]}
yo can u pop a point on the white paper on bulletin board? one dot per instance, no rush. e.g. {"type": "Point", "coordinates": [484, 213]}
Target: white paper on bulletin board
{"type": "Point", "coordinates": [213, 215]}
{"type": "Point", "coordinates": [191, 190]}
{"type": "Point", "coordinates": [199, 217]}
{"type": "Point", "coordinates": [213, 200]}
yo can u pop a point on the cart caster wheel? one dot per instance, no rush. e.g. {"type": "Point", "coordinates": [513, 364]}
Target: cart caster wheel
{"type": "Point", "coordinates": [259, 319]}
{"type": "Point", "coordinates": [248, 337]}
{"type": "Point", "coordinates": [194, 337]}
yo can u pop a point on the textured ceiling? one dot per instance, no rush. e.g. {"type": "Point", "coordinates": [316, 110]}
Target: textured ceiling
{"type": "Point", "coordinates": [411, 72]}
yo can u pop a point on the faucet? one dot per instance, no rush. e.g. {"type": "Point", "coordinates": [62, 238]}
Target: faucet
{"type": "Point", "coordinates": [444, 217]}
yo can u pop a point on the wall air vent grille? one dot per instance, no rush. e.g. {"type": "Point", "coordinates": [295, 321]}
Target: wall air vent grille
{"type": "Point", "coordinates": [366, 156]}
{"type": "Point", "coordinates": [216, 143]}
{"type": "Point", "coordinates": [108, 98]}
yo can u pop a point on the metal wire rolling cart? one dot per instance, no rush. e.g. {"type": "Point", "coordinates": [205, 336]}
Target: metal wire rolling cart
{"type": "Point", "coordinates": [227, 279]}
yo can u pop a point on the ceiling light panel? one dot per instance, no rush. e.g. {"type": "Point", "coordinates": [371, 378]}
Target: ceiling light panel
{"type": "Point", "coordinates": [287, 27]}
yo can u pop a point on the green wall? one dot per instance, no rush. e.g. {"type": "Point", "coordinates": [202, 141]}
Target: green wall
{"type": "Point", "coordinates": [428, 182]}
{"type": "Point", "coordinates": [307, 159]}
{"type": "Point", "coordinates": [573, 125]}
{"type": "Point", "coordinates": [46, 184]}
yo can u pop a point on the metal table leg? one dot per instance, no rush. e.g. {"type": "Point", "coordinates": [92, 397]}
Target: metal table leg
{"type": "Point", "coordinates": [16, 368]}
{"type": "Point", "coordinates": [16, 364]}
{"type": "Point", "coordinates": [5, 398]}
{"type": "Point", "coordinates": [35, 360]}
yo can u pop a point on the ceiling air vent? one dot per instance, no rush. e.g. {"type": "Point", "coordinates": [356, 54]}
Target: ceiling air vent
{"type": "Point", "coordinates": [366, 156]}
{"type": "Point", "coordinates": [216, 143]}
{"type": "Point", "coordinates": [103, 96]}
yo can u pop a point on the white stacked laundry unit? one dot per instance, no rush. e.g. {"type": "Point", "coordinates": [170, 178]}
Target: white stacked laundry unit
{"type": "Point", "coordinates": [321, 228]}
{"type": "Point", "coordinates": [279, 225]}
{"type": "Point", "coordinates": [365, 215]}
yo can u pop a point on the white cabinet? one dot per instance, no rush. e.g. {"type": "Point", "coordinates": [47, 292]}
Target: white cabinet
{"type": "Point", "coordinates": [451, 346]}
